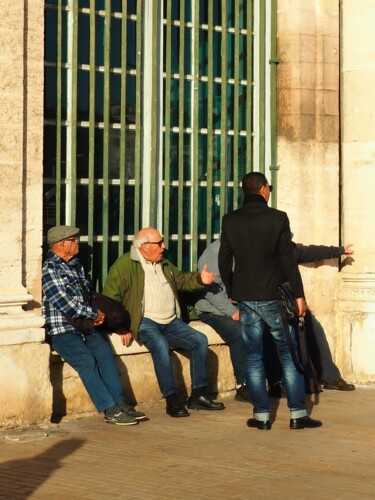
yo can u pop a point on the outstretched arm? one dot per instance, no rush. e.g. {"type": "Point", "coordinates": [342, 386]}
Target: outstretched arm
{"type": "Point", "coordinates": [314, 253]}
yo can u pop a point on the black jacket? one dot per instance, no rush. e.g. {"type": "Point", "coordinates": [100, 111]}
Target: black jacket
{"type": "Point", "coordinates": [259, 239]}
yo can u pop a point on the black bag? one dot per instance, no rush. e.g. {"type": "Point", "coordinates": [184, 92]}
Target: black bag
{"type": "Point", "coordinates": [286, 297]}
{"type": "Point", "coordinates": [83, 325]}
{"type": "Point", "coordinates": [116, 316]}
{"type": "Point", "coordinates": [289, 313]}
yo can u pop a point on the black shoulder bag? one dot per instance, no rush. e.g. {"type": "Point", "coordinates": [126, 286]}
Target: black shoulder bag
{"type": "Point", "coordinates": [289, 312]}
{"type": "Point", "coordinates": [116, 316]}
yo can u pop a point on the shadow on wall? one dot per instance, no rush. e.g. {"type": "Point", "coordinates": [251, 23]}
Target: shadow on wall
{"type": "Point", "coordinates": [58, 398]}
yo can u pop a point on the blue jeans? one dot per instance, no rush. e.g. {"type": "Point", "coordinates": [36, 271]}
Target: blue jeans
{"type": "Point", "coordinates": [91, 356]}
{"type": "Point", "coordinates": [159, 339]}
{"type": "Point", "coordinates": [254, 316]}
{"type": "Point", "coordinates": [230, 331]}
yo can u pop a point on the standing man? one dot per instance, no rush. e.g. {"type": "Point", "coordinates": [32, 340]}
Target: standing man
{"type": "Point", "coordinates": [147, 285]}
{"type": "Point", "coordinates": [259, 239]}
{"type": "Point", "coordinates": [66, 304]}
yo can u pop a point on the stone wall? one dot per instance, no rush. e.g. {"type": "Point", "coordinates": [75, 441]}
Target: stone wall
{"type": "Point", "coordinates": [317, 153]}
{"type": "Point", "coordinates": [25, 389]}
{"type": "Point", "coordinates": [355, 318]}
{"type": "Point", "coordinates": [308, 140]}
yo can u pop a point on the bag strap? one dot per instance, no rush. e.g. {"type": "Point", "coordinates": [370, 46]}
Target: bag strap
{"type": "Point", "coordinates": [310, 372]}
{"type": "Point", "coordinates": [288, 336]}
{"type": "Point", "coordinates": [85, 295]}
{"type": "Point", "coordinates": [303, 342]}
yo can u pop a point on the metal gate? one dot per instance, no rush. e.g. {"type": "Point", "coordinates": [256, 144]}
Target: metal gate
{"type": "Point", "coordinates": [154, 110]}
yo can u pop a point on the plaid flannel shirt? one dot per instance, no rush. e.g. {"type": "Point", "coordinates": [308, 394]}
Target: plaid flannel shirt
{"type": "Point", "coordinates": [62, 294]}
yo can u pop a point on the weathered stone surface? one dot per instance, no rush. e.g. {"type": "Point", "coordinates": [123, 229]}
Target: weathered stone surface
{"type": "Point", "coordinates": [137, 374]}
{"type": "Point", "coordinates": [25, 389]}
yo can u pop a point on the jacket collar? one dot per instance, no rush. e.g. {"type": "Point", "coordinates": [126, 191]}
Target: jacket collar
{"type": "Point", "coordinates": [134, 256]}
{"type": "Point", "coordinates": [253, 198]}
{"type": "Point", "coordinates": [53, 257]}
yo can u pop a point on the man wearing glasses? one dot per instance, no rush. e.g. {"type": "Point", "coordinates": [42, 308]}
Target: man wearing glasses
{"type": "Point", "coordinates": [147, 285]}
{"type": "Point", "coordinates": [65, 306]}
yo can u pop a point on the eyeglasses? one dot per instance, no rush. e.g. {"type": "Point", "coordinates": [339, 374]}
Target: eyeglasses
{"type": "Point", "coordinates": [73, 238]}
{"type": "Point", "coordinates": [160, 242]}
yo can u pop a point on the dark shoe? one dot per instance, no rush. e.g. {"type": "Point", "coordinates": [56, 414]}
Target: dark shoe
{"type": "Point", "coordinates": [302, 422]}
{"type": "Point", "coordinates": [203, 402]}
{"type": "Point", "coordinates": [277, 391]}
{"type": "Point", "coordinates": [175, 408]}
{"type": "Point", "coordinates": [242, 394]}
{"type": "Point", "coordinates": [115, 415]}
{"type": "Point", "coordinates": [338, 385]}
{"type": "Point", "coordinates": [132, 412]}
{"type": "Point", "coordinates": [262, 425]}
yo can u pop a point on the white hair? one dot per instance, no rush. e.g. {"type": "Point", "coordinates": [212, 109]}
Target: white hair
{"type": "Point", "coordinates": [139, 239]}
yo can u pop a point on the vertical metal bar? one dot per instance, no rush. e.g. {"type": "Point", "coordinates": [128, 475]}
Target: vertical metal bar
{"type": "Point", "coordinates": [210, 135]}
{"type": "Point", "coordinates": [71, 139]}
{"type": "Point", "coordinates": [262, 94]}
{"type": "Point", "coordinates": [106, 123]}
{"type": "Point", "coordinates": [159, 109]}
{"type": "Point", "coordinates": [155, 120]}
{"type": "Point", "coordinates": [58, 112]}
{"type": "Point", "coordinates": [92, 78]}
{"type": "Point", "coordinates": [124, 25]}
{"type": "Point", "coordinates": [249, 85]}
{"type": "Point", "coordinates": [167, 123]}
{"type": "Point", "coordinates": [181, 96]}
{"type": "Point", "coordinates": [148, 129]}
{"type": "Point", "coordinates": [151, 123]}
{"type": "Point", "coordinates": [224, 104]}
{"type": "Point", "coordinates": [138, 120]}
{"type": "Point", "coordinates": [195, 145]}
{"type": "Point", "coordinates": [273, 91]}
{"type": "Point", "coordinates": [236, 100]}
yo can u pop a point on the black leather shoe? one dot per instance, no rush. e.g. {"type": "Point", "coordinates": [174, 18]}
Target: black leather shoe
{"type": "Point", "coordinates": [302, 422]}
{"type": "Point", "coordinates": [262, 425]}
{"type": "Point", "coordinates": [204, 403]}
{"type": "Point", "coordinates": [338, 385]}
{"type": "Point", "coordinates": [175, 408]}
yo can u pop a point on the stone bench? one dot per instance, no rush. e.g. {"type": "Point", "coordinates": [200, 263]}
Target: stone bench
{"type": "Point", "coordinates": [136, 370]}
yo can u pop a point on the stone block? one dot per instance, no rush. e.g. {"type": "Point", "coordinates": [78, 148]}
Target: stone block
{"type": "Point", "coordinates": [137, 375]}
{"type": "Point", "coordinates": [25, 388]}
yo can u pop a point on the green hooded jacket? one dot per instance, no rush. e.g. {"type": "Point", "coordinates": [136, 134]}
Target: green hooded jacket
{"type": "Point", "coordinates": [125, 283]}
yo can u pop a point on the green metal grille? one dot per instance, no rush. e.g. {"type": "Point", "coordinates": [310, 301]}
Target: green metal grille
{"type": "Point", "coordinates": [153, 113]}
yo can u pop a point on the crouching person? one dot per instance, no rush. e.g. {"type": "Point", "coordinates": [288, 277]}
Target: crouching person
{"type": "Point", "coordinates": [70, 327]}
{"type": "Point", "coordinates": [147, 285]}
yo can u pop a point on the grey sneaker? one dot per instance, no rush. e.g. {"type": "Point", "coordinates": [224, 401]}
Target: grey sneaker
{"type": "Point", "coordinates": [132, 412]}
{"type": "Point", "coordinates": [115, 415]}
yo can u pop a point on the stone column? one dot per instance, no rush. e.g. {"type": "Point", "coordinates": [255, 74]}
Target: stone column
{"type": "Point", "coordinates": [25, 390]}
{"type": "Point", "coordinates": [308, 139]}
{"type": "Point", "coordinates": [356, 295]}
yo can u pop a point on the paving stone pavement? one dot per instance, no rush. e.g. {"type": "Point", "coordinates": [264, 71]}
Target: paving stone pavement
{"type": "Point", "coordinates": [208, 455]}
